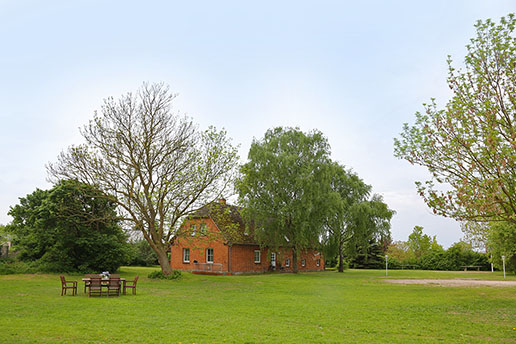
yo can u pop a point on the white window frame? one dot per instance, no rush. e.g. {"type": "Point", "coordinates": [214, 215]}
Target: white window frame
{"type": "Point", "coordinates": [303, 262]}
{"type": "Point", "coordinates": [193, 228]}
{"type": "Point", "coordinates": [208, 255]}
{"type": "Point", "coordinates": [259, 260]}
{"type": "Point", "coordinates": [203, 228]}
{"type": "Point", "coordinates": [186, 254]}
{"type": "Point", "coordinates": [287, 263]}
{"type": "Point", "coordinates": [318, 262]}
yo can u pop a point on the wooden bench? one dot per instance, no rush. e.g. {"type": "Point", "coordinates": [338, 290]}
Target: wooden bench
{"type": "Point", "coordinates": [413, 267]}
{"type": "Point", "coordinates": [471, 266]}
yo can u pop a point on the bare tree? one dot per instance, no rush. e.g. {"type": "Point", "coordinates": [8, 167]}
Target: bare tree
{"type": "Point", "coordinates": [156, 164]}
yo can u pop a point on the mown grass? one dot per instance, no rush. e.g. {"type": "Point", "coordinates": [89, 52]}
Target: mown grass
{"type": "Point", "coordinates": [354, 307]}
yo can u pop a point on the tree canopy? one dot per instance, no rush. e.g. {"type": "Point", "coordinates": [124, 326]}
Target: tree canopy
{"type": "Point", "coordinates": [72, 227]}
{"type": "Point", "coordinates": [155, 163]}
{"type": "Point", "coordinates": [369, 230]}
{"type": "Point", "coordinates": [469, 147]}
{"type": "Point", "coordinates": [353, 221]}
{"type": "Point", "coordinates": [283, 188]}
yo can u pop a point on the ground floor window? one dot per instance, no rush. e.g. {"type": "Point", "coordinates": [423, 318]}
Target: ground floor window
{"type": "Point", "coordinates": [318, 262]}
{"type": "Point", "coordinates": [287, 262]}
{"type": "Point", "coordinates": [209, 255]}
{"type": "Point", "coordinates": [186, 255]}
{"type": "Point", "coordinates": [303, 263]}
{"type": "Point", "coordinates": [257, 256]}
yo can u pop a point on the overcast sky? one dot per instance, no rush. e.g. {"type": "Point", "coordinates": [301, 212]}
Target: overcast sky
{"type": "Point", "coordinates": [354, 70]}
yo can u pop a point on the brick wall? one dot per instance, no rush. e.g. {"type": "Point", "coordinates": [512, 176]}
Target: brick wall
{"type": "Point", "coordinates": [242, 260]}
{"type": "Point", "coordinates": [242, 256]}
{"type": "Point", "coordinates": [198, 245]}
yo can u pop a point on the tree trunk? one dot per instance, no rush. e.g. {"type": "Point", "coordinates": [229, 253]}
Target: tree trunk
{"type": "Point", "coordinates": [164, 262]}
{"type": "Point", "coordinates": [341, 259]}
{"type": "Point", "coordinates": [294, 260]}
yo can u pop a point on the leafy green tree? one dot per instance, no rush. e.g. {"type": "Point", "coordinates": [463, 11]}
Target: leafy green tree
{"type": "Point", "coordinates": [369, 231]}
{"type": "Point", "coordinates": [469, 146]}
{"type": "Point", "coordinates": [435, 246]}
{"type": "Point", "coordinates": [418, 242]}
{"type": "Point", "coordinates": [346, 191]}
{"type": "Point", "coordinates": [141, 254]}
{"type": "Point", "coordinates": [283, 188]}
{"type": "Point", "coordinates": [502, 242]}
{"type": "Point", "coordinates": [71, 227]}
{"type": "Point", "coordinates": [157, 166]}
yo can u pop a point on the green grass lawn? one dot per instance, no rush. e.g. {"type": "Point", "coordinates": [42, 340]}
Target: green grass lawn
{"type": "Point", "coordinates": [356, 306]}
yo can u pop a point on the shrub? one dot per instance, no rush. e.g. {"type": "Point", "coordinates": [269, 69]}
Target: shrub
{"type": "Point", "coordinates": [9, 266]}
{"type": "Point", "coordinates": [176, 274]}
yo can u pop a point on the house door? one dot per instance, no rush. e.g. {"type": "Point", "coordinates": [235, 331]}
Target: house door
{"type": "Point", "coordinates": [273, 259]}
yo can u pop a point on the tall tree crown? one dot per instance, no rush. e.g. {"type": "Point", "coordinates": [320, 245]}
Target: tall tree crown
{"type": "Point", "coordinates": [469, 147]}
{"type": "Point", "coordinates": [156, 163]}
{"type": "Point", "coordinates": [282, 186]}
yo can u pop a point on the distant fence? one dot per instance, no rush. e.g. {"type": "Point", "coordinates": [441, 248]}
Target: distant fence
{"type": "Point", "coordinates": [208, 267]}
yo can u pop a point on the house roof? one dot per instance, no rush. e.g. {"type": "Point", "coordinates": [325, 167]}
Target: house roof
{"type": "Point", "coordinates": [229, 220]}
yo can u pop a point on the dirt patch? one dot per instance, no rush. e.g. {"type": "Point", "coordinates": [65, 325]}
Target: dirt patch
{"type": "Point", "coordinates": [454, 282]}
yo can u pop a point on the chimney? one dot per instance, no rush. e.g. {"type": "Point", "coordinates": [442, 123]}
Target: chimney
{"type": "Point", "coordinates": [222, 201]}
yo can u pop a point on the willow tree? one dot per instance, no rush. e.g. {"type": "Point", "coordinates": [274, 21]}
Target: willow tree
{"type": "Point", "coordinates": [346, 191]}
{"type": "Point", "coordinates": [156, 164]}
{"type": "Point", "coordinates": [283, 188]}
{"type": "Point", "coordinates": [469, 147]}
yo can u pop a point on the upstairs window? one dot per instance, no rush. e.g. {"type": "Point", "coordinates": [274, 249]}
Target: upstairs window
{"type": "Point", "coordinates": [193, 229]}
{"type": "Point", "coordinates": [209, 255]}
{"type": "Point", "coordinates": [186, 255]}
{"type": "Point", "coordinates": [257, 256]}
{"type": "Point", "coordinates": [204, 229]}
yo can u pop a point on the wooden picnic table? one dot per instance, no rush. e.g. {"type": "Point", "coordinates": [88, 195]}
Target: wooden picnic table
{"type": "Point", "coordinates": [104, 281]}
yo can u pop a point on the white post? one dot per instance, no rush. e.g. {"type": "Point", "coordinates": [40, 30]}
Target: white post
{"type": "Point", "coordinates": [503, 261]}
{"type": "Point", "coordinates": [386, 268]}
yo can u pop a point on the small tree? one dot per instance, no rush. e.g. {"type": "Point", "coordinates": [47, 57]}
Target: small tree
{"type": "Point", "coordinates": [419, 243]}
{"type": "Point", "coordinates": [72, 227]}
{"type": "Point", "coordinates": [157, 166]}
{"type": "Point", "coordinates": [470, 146]}
{"type": "Point", "coordinates": [283, 188]}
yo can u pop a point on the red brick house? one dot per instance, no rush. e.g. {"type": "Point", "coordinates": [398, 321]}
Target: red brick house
{"type": "Point", "coordinates": [215, 241]}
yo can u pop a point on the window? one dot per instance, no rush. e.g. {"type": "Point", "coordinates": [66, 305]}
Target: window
{"type": "Point", "coordinates": [209, 255]}
{"type": "Point", "coordinates": [287, 262]}
{"type": "Point", "coordinates": [193, 228]}
{"type": "Point", "coordinates": [303, 263]}
{"type": "Point", "coordinates": [186, 255]}
{"type": "Point", "coordinates": [257, 256]}
{"type": "Point", "coordinates": [204, 229]}
{"type": "Point", "coordinates": [318, 262]}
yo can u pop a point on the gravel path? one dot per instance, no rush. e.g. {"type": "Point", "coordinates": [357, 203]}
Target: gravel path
{"type": "Point", "coordinates": [454, 282]}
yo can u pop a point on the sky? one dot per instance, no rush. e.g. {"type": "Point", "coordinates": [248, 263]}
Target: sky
{"type": "Point", "coordinates": [355, 70]}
